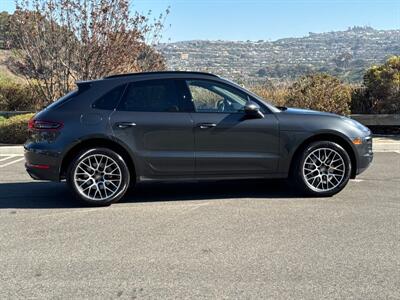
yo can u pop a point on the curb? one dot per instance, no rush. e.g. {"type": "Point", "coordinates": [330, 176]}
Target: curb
{"type": "Point", "coordinates": [12, 150]}
{"type": "Point", "coordinates": [387, 147]}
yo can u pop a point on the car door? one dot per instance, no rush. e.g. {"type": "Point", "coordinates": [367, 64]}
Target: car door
{"type": "Point", "coordinates": [151, 121]}
{"type": "Point", "coordinates": [227, 141]}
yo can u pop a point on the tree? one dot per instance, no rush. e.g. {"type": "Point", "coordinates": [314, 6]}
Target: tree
{"type": "Point", "coordinates": [262, 72]}
{"type": "Point", "coordinates": [61, 41]}
{"type": "Point", "coordinates": [343, 60]}
{"type": "Point", "coordinates": [4, 30]}
{"type": "Point", "coordinates": [320, 92]}
{"type": "Point", "coordinates": [382, 87]}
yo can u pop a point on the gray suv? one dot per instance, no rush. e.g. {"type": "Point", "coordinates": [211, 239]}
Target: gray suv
{"type": "Point", "coordinates": [111, 133]}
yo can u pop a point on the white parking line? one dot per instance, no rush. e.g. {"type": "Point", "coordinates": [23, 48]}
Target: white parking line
{"type": "Point", "coordinates": [5, 158]}
{"type": "Point", "coordinates": [387, 151]}
{"type": "Point", "coordinates": [19, 158]}
{"type": "Point", "coordinates": [357, 180]}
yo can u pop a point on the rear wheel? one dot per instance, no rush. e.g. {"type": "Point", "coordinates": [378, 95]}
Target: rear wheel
{"type": "Point", "coordinates": [98, 176]}
{"type": "Point", "coordinates": [323, 169]}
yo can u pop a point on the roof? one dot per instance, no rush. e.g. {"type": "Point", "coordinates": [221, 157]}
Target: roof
{"type": "Point", "coordinates": [160, 73]}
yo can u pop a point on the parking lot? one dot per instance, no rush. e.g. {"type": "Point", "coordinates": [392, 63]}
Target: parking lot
{"type": "Point", "coordinates": [241, 239]}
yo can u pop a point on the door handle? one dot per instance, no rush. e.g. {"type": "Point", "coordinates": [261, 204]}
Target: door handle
{"type": "Point", "coordinates": [207, 125]}
{"type": "Point", "coordinates": [125, 124]}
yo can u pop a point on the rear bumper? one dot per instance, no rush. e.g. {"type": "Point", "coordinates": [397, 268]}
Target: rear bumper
{"type": "Point", "coordinates": [42, 164]}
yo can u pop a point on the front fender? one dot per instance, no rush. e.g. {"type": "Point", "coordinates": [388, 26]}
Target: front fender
{"type": "Point", "coordinates": [294, 141]}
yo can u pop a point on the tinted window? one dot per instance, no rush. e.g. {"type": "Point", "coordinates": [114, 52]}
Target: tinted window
{"type": "Point", "coordinates": [82, 88]}
{"type": "Point", "coordinates": [151, 96]}
{"type": "Point", "coordinates": [209, 96]}
{"type": "Point", "coordinates": [63, 99]}
{"type": "Point", "coordinates": [110, 100]}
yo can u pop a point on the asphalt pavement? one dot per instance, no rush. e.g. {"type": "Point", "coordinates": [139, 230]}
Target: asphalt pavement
{"type": "Point", "coordinates": [239, 239]}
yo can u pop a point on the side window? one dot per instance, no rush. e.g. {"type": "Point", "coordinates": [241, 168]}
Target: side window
{"type": "Point", "coordinates": [110, 100]}
{"type": "Point", "coordinates": [209, 96]}
{"type": "Point", "coordinates": [151, 96]}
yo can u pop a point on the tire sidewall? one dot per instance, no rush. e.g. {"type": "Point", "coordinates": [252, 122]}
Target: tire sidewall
{"type": "Point", "coordinates": [310, 148]}
{"type": "Point", "coordinates": [117, 158]}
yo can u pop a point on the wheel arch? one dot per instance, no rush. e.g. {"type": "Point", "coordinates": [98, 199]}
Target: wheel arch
{"type": "Point", "coordinates": [332, 137]}
{"type": "Point", "coordinates": [93, 143]}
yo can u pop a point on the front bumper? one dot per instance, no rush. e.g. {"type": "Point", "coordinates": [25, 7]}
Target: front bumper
{"type": "Point", "coordinates": [42, 164]}
{"type": "Point", "coordinates": [365, 155]}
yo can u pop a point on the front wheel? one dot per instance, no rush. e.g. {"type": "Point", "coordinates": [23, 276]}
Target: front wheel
{"type": "Point", "coordinates": [98, 176]}
{"type": "Point", "coordinates": [323, 169]}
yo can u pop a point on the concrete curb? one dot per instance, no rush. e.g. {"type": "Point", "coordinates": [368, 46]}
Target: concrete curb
{"type": "Point", "coordinates": [13, 150]}
{"type": "Point", "coordinates": [386, 147]}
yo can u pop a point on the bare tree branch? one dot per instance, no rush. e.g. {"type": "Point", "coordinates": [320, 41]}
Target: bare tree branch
{"type": "Point", "coordinates": [60, 41]}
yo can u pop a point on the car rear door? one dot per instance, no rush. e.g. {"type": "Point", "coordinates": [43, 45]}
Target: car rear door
{"type": "Point", "coordinates": [227, 141]}
{"type": "Point", "coordinates": [151, 122]}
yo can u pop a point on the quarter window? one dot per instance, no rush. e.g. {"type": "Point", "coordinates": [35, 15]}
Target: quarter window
{"type": "Point", "coordinates": [110, 100]}
{"type": "Point", "coordinates": [151, 96]}
{"type": "Point", "coordinates": [209, 96]}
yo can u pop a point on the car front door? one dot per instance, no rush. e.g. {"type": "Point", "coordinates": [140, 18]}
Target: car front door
{"type": "Point", "coordinates": [227, 140]}
{"type": "Point", "coordinates": [159, 133]}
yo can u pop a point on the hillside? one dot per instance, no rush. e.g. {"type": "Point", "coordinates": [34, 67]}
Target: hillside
{"type": "Point", "coordinates": [5, 72]}
{"type": "Point", "coordinates": [342, 53]}
{"type": "Point", "coordinates": [345, 54]}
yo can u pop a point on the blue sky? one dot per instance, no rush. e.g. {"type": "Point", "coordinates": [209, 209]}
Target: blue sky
{"type": "Point", "coordinates": [264, 19]}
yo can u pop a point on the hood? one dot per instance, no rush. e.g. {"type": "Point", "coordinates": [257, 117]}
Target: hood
{"type": "Point", "coordinates": [299, 111]}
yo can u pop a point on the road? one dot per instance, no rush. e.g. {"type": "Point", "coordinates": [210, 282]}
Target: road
{"type": "Point", "coordinates": [245, 239]}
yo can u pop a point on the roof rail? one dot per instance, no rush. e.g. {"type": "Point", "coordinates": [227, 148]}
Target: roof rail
{"type": "Point", "coordinates": [159, 72]}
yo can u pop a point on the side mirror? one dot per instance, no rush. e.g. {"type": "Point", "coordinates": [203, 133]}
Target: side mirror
{"type": "Point", "coordinates": [252, 109]}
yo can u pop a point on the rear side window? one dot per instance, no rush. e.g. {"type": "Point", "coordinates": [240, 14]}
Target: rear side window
{"type": "Point", "coordinates": [64, 99]}
{"type": "Point", "coordinates": [110, 100]}
{"type": "Point", "coordinates": [151, 96]}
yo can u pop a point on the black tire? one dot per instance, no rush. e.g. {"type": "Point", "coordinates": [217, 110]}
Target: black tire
{"type": "Point", "coordinates": [299, 178]}
{"type": "Point", "coordinates": [119, 189]}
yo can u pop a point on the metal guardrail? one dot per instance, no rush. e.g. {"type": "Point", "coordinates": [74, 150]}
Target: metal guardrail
{"type": "Point", "coordinates": [377, 120]}
{"type": "Point", "coordinates": [8, 114]}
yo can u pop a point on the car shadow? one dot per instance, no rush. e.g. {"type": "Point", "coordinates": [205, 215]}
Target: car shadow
{"type": "Point", "coordinates": [42, 195]}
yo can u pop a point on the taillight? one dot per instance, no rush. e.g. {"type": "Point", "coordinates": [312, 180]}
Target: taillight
{"type": "Point", "coordinates": [44, 125]}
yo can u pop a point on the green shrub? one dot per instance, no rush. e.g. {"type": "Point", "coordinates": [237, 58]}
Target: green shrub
{"type": "Point", "coordinates": [360, 103]}
{"type": "Point", "coordinates": [16, 96]}
{"type": "Point", "coordinates": [272, 94]}
{"type": "Point", "coordinates": [320, 92]}
{"type": "Point", "coordinates": [381, 94]}
{"type": "Point", "coordinates": [14, 130]}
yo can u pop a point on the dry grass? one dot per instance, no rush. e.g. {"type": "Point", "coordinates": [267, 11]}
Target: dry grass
{"type": "Point", "coordinates": [275, 95]}
{"type": "Point", "coordinates": [5, 72]}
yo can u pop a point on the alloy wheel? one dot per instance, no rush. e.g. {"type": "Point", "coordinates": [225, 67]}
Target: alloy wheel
{"type": "Point", "coordinates": [98, 177]}
{"type": "Point", "coordinates": [324, 169]}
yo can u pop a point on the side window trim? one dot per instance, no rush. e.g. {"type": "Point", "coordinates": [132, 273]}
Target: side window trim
{"type": "Point", "coordinates": [121, 96]}
{"type": "Point", "coordinates": [184, 95]}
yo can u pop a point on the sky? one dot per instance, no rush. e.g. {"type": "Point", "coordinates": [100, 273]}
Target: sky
{"type": "Point", "coordinates": [263, 19]}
